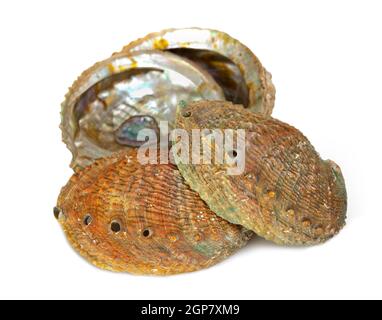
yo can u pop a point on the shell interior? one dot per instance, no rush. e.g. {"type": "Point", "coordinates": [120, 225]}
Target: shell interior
{"type": "Point", "coordinates": [233, 65]}
{"type": "Point", "coordinates": [225, 72]}
{"type": "Point", "coordinates": [123, 92]}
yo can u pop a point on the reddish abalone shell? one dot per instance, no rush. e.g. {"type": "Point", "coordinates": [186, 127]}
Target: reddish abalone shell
{"type": "Point", "coordinates": [143, 219]}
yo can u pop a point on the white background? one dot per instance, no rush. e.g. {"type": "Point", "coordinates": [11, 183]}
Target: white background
{"type": "Point", "coordinates": [326, 61]}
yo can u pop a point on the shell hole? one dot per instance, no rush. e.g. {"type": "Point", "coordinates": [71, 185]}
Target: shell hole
{"type": "Point", "coordinates": [115, 226]}
{"type": "Point", "coordinates": [187, 114]}
{"type": "Point", "coordinates": [232, 154]}
{"type": "Point", "coordinates": [88, 220]}
{"type": "Point", "coordinates": [56, 212]}
{"type": "Point", "coordinates": [147, 233]}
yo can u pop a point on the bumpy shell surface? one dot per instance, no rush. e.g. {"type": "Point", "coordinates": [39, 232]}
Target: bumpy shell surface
{"type": "Point", "coordinates": [142, 219]}
{"type": "Point", "coordinates": [286, 194]}
{"type": "Point", "coordinates": [110, 102]}
{"type": "Point", "coordinates": [232, 64]}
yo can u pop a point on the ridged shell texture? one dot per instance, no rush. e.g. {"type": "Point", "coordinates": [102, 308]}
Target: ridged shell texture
{"type": "Point", "coordinates": [163, 219]}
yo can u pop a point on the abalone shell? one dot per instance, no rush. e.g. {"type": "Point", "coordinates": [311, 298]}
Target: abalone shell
{"type": "Point", "coordinates": [286, 194]}
{"type": "Point", "coordinates": [148, 79]}
{"type": "Point", "coordinates": [124, 91]}
{"type": "Point", "coordinates": [142, 219]}
{"type": "Point", "coordinates": [233, 65]}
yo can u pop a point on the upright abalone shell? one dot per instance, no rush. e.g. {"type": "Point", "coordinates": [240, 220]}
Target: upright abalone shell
{"type": "Point", "coordinates": [286, 193]}
{"type": "Point", "coordinates": [233, 65]}
{"type": "Point", "coordinates": [111, 102]}
{"type": "Point", "coordinates": [143, 219]}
